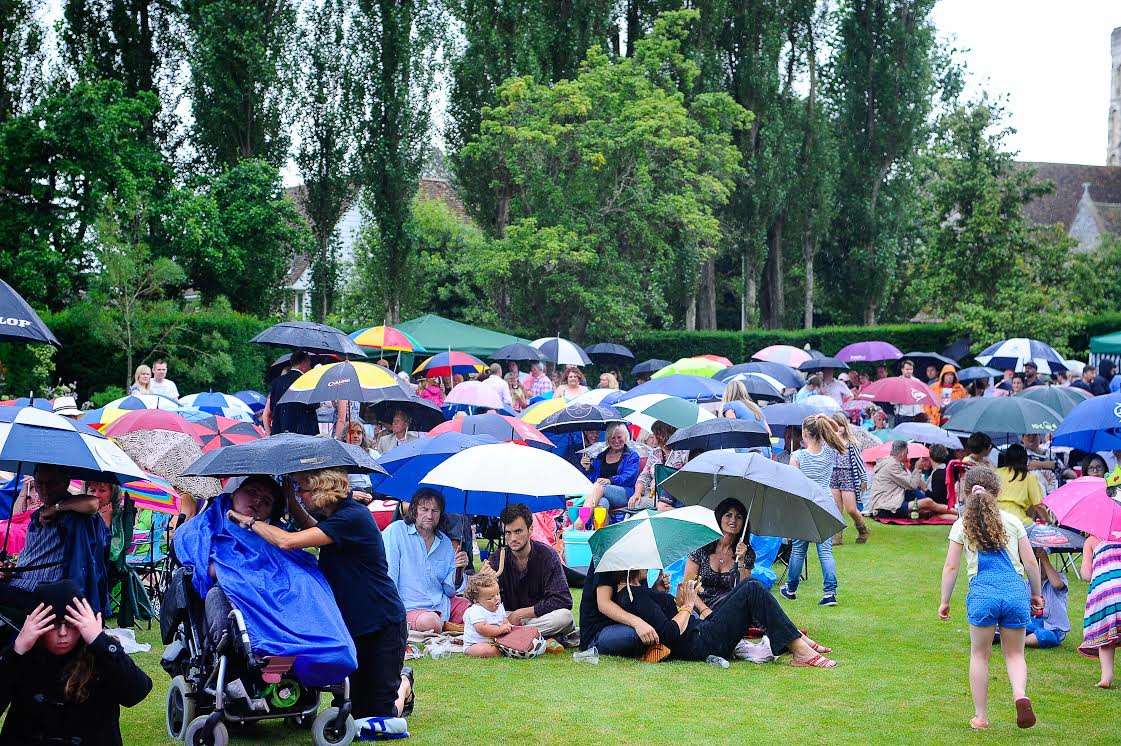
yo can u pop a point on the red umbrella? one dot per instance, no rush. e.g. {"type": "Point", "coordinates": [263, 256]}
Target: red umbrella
{"type": "Point", "coordinates": [875, 453]}
{"type": "Point", "coordinates": [215, 432]}
{"type": "Point", "coordinates": [497, 425]}
{"type": "Point", "coordinates": [148, 419]}
{"type": "Point", "coordinates": [899, 390]}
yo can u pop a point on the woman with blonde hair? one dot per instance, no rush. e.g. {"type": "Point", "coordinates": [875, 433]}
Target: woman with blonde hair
{"type": "Point", "coordinates": [141, 380]}
{"type": "Point", "coordinates": [999, 557]}
{"type": "Point", "coordinates": [849, 478]}
{"type": "Point", "coordinates": [518, 397]}
{"type": "Point", "coordinates": [823, 443]}
{"type": "Point", "coordinates": [352, 559]}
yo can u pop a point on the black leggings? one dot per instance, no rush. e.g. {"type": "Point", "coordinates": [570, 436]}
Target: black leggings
{"type": "Point", "coordinates": [720, 633]}
{"type": "Point", "coordinates": [374, 686]}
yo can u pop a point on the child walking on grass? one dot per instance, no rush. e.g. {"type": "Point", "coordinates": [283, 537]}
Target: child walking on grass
{"type": "Point", "coordinates": [1101, 625]}
{"type": "Point", "coordinates": [998, 556]}
{"type": "Point", "coordinates": [486, 618]}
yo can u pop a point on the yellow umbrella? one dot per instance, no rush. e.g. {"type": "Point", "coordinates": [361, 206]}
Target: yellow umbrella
{"type": "Point", "coordinates": [542, 409]}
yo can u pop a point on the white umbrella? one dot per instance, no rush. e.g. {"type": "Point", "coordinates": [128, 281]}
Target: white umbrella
{"type": "Point", "coordinates": [30, 436]}
{"type": "Point", "coordinates": [647, 409]}
{"type": "Point", "coordinates": [651, 540]}
{"type": "Point", "coordinates": [561, 351]}
{"type": "Point", "coordinates": [595, 396]}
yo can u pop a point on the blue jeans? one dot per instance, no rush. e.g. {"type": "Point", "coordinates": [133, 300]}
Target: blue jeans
{"type": "Point", "coordinates": [798, 551]}
{"type": "Point", "coordinates": [614, 497]}
{"type": "Point", "coordinates": [618, 639]}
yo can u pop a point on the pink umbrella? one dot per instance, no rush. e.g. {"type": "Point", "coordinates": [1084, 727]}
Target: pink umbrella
{"type": "Point", "coordinates": [474, 394]}
{"type": "Point", "coordinates": [782, 354]}
{"type": "Point", "coordinates": [875, 453]}
{"type": "Point", "coordinates": [1085, 505]}
{"type": "Point", "coordinates": [899, 390]}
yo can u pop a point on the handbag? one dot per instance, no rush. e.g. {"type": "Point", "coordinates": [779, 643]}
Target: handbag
{"type": "Point", "coordinates": [521, 642]}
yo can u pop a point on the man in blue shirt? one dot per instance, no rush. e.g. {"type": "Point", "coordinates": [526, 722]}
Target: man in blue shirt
{"type": "Point", "coordinates": [426, 565]}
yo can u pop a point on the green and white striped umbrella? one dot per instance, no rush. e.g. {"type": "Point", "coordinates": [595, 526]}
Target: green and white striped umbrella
{"type": "Point", "coordinates": [647, 409]}
{"type": "Point", "coordinates": [652, 540]}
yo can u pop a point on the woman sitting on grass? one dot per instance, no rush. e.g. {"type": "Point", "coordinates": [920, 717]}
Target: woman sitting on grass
{"type": "Point", "coordinates": [726, 562]}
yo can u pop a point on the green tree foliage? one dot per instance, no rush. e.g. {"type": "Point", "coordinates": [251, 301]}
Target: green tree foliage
{"type": "Point", "coordinates": [21, 56]}
{"type": "Point", "coordinates": [614, 186]}
{"type": "Point", "coordinates": [240, 57]}
{"type": "Point", "coordinates": [1093, 278]}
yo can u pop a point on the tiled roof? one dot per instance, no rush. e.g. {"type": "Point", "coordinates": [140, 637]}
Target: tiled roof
{"type": "Point", "coordinates": [1062, 204]}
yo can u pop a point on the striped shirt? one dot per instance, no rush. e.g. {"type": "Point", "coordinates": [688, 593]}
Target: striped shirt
{"type": "Point", "coordinates": [43, 547]}
{"type": "Point", "coordinates": [818, 467]}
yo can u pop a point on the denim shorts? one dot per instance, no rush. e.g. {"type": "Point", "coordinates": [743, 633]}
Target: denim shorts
{"type": "Point", "coordinates": [1046, 638]}
{"type": "Point", "coordinates": [990, 606]}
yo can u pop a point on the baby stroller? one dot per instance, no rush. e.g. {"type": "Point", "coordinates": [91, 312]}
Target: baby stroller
{"type": "Point", "coordinates": [231, 685]}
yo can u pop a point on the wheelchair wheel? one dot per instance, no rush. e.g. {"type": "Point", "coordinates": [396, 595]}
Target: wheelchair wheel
{"type": "Point", "coordinates": [181, 709]}
{"type": "Point", "coordinates": [196, 737]}
{"type": "Point", "coordinates": [323, 732]}
{"type": "Point", "coordinates": [302, 722]}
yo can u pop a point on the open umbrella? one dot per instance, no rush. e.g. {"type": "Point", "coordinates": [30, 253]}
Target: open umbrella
{"type": "Point", "coordinates": [153, 493]}
{"type": "Point", "coordinates": [1013, 353]}
{"type": "Point", "coordinates": [869, 352]}
{"type": "Point", "coordinates": [782, 354]}
{"type": "Point", "coordinates": [789, 415]}
{"type": "Point", "coordinates": [474, 394]}
{"type": "Point", "coordinates": [30, 436]}
{"type": "Point", "coordinates": [448, 364]}
{"type": "Point", "coordinates": [691, 366]}
{"type": "Point", "coordinates": [924, 359]}
{"type": "Point", "coordinates": [645, 410]}
{"type": "Point", "coordinates": [578, 418]}
{"type": "Point", "coordinates": [759, 386]}
{"type": "Point", "coordinates": [385, 338]}
{"type": "Point", "coordinates": [254, 400]}
{"type": "Point", "coordinates": [408, 464]}
{"type": "Point", "coordinates": [483, 480]}
{"type": "Point", "coordinates": [19, 322]}
{"type": "Point", "coordinates": [498, 426]}
{"type": "Point", "coordinates": [310, 337]}
{"type": "Point", "coordinates": [609, 353]}
{"type": "Point", "coordinates": [924, 432]}
{"type": "Point", "coordinates": [976, 373]}
{"type": "Point", "coordinates": [287, 453]}
{"type": "Point", "coordinates": [147, 419]}
{"type": "Point", "coordinates": [1093, 425]}
{"type": "Point", "coordinates": [535, 414]}
{"type": "Point", "coordinates": [561, 351]}
{"type": "Point", "coordinates": [822, 403]}
{"type": "Point", "coordinates": [649, 367]}
{"type": "Point", "coordinates": [351, 381]}
{"type": "Point", "coordinates": [693, 388]}
{"type": "Point", "coordinates": [822, 363]}
{"type": "Point", "coordinates": [720, 432]}
{"type": "Point", "coordinates": [1002, 414]}
{"type": "Point", "coordinates": [216, 403]}
{"type": "Point", "coordinates": [596, 396]}
{"type": "Point", "coordinates": [518, 352]}
{"type": "Point", "coordinates": [167, 454]}
{"type": "Point", "coordinates": [218, 432]}
{"type": "Point", "coordinates": [780, 500]}
{"type": "Point", "coordinates": [92, 418]}
{"type": "Point", "coordinates": [787, 376]}
{"type": "Point", "coordinates": [653, 540]}
{"type": "Point", "coordinates": [958, 349]}
{"type": "Point", "coordinates": [1062, 399]}
{"type": "Point", "coordinates": [25, 401]}
{"type": "Point", "coordinates": [120, 407]}
{"type": "Point", "coordinates": [1085, 504]}
{"type": "Point", "coordinates": [423, 415]}
{"type": "Point", "coordinates": [899, 390]}
{"type": "Point", "coordinates": [875, 453]}
{"type": "Point", "coordinates": [279, 365]}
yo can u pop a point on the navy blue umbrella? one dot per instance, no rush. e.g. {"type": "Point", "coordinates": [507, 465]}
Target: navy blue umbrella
{"type": "Point", "coordinates": [721, 432]}
{"type": "Point", "coordinates": [408, 464]}
{"type": "Point", "coordinates": [822, 363]}
{"type": "Point", "coordinates": [30, 436]}
{"type": "Point", "coordinates": [649, 367]}
{"type": "Point", "coordinates": [976, 373]}
{"type": "Point", "coordinates": [785, 375]}
{"type": "Point", "coordinates": [788, 415]}
{"type": "Point", "coordinates": [1093, 425]}
{"type": "Point", "coordinates": [19, 322]}
{"type": "Point", "coordinates": [1014, 353]}
{"type": "Point", "coordinates": [423, 415]}
{"type": "Point", "coordinates": [519, 352]}
{"type": "Point", "coordinates": [759, 389]}
{"type": "Point", "coordinates": [609, 353]}
{"type": "Point", "coordinates": [38, 403]}
{"type": "Point", "coordinates": [287, 453]}
{"type": "Point", "coordinates": [578, 418]}
{"type": "Point", "coordinates": [309, 336]}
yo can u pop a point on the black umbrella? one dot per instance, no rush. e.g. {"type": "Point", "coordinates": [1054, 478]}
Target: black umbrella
{"type": "Point", "coordinates": [309, 336]}
{"type": "Point", "coordinates": [822, 363]}
{"type": "Point", "coordinates": [721, 432]}
{"type": "Point", "coordinates": [423, 414]}
{"type": "Point", "coordinates": [287, 453]}
{"type": "Point", "coordinates": [976, 373]}
{"type": "Point", "coordinates": [519, 352]}
{"type": "Point", "coordinates": [784, 374]}
{"type": "Point", "coordinates": [577, 418]}
{"type": "Point", "coordinates": [923, 359]}
{"type": "Point", "coordinates": [648, 367]}
{"type": "Point", "coordinates": [958, 349]}
{"type": "Point", "coordinates": [609, 353]}
{"type": "Point", "coordinates": [758, 388]}
{"type": "Point", "coordinates": [281, 363]}
{"type": "Point", "coordinates": [19, 322]}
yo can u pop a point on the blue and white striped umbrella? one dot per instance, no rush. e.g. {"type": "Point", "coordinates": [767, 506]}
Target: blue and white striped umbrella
{"type": "Point", "coordinates": [217, 403]}
{"type": "Point", "coordinates": [30, 436]}
{"type": "Point", "coordinates": [560, 351]}
{"type": "Point", "coordinates": [1013, 353]}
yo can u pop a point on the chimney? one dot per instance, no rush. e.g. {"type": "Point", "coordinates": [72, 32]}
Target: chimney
{"type": "Point", "coordinates": [1113, 151]}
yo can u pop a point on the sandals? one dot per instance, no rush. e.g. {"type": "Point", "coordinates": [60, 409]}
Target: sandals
{"type": "Point", "coordinates": [978, 724]}
{"type": "Point", "coordinates": [817, 661]}
{"type": "Point", "coordinates": [818, 647]}
{"type": "Point", "coordinates": [407, 707]}
{"type": "Point", "coordinates": [1025, 715]}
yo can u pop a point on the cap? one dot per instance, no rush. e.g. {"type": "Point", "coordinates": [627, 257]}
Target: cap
{"type": "Point", "coordinates": [57, 596]}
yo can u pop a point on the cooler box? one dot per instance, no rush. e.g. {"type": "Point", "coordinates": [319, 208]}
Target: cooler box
{"type": "Point", "coordinates": [577, 553]}
{"type": "Point", "coordinates": [382, 511]}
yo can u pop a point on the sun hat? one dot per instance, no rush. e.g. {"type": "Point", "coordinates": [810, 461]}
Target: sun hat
{"type": "Point", "coordinates": [66, 406]}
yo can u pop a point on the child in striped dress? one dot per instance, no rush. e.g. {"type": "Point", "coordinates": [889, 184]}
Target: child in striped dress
{"type": "Point", "coordinates": [1101, 625]}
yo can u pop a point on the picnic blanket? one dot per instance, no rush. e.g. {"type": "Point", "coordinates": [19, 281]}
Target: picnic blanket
{"type": "Point", "coordinates": [931, 521]}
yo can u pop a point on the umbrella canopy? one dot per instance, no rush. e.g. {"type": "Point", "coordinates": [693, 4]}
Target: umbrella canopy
{"type": "Point", "coordinates": [561, 351]}
{"type": "Point", "coordinates": [30, 436]}
{"type": "Point", "coordinates": [787, 376]}
{"type": "Point", "coordinates": [822, 403]}
{"type": "Point", "coordinates": [596, 396]}
{"type": "Point", "coordinates": [167, 454]}
{"type": "Point", "coordinates": [649, 367]}
{"type": "Point", "coordinates": [1013, 353]}
{"type": "Point", "coordinates": [1062, 399]}
{"type": "Point", "coordinates": [485, 479]}
{"type": "Point", "coordinates": [780, 500]}
{"type": "Point", "coordinates": [869, 352]}
{"type": "Point", "coordinates": [691, 366]}
{"type": "Point", "coordinates": [976, 373]}
{"type": "Point", "coordinates": [287, 453]}
{"type": "Point", "coordinates": [93, 418]}
{"type": "Point", "coordinates": [352, 381]}
{"type": "Point", "coordinates": [535, 414]}
{"type": "Point", "coordinates": [423, 415]}
{"type": "Point", "coordinates": [281, 363]}
{"type": "Point", "coordinates": [958, 349]}
{"type": "Point", "coordinates": [718, 433]}
{"type": "Point", "coordinates": [223, 405]}
{"type": "Point", "coordinates": [693, 388]}
{"type": "Point", "coordinates": [518, 352]}
{"type": "Point", "coordinates": [783, 355]}
{"type": "Point", "coordinates": [153, 493]}
{"type": "Point", "coordinates": [147, 419]}
{"type": "Point", "coordinates": [384, 338]}
{"type": "Point", "coordinates": [448, 364]}
{"type": "Point", "coordinates": [19, 322]}
{"type": "Point", "coordinates": [309, 336]}
{"type": "Point", "coordinates": [609, 353]}
{"type": "Point", "coordinates": [789, 415]}
{"type": "Point", "coordinates": [218, 432]}
{"type": "Point", "coordinates": [578, 418]}
{"type": "Point", "coordinates": [822, 363]}
{"type": "Point", "coordinates": [24, 401]}
{"type": "Point", "coordinates": [651, 540]}
{"type": "Point", "coordinates": [474, 394]}
{"type": "Point", "coordinates": [923, 359]}
{"type": "Point", "coordinates": [759, 386]}
{"type": "Point", "coordinates": [498, 426]}
{"type": "Point", "coordinates": [875, 453]}
{"type": "Point", "coordinates": [1085, 504]}
{"type": "Point", "coordinates": [408, 464]}
{"type": "Point", "coordinates": [924, 432]}
{"type": "Point", "coordinates": [1002, 414]}
{"type": "Point", "coordinates": [718, 359]}
{"type": "Point", "coordinates": [1093, 425]}
{"type": "Point", "coordinates": [645, 410]}
{"type": "Point", "coordinates": [120, 407]}
{"type": "Point", "coordinates": [899, 390]}
{"type": "Point", "coordinates": [255, 400]}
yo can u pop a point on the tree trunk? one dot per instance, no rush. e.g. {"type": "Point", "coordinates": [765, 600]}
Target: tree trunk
{"type": "Point", "coordinates": [691, 312]}
{"type": "Point", "coordinates": [870, 311]}
{"type": "Point", "coordinates": [706, 311]}
{"type": "Point", "coordinates": [774, 296]}
{"type": "Point", "coordinates": [808, 260]}
{"type": "Point", "coordinates": [749, 298]}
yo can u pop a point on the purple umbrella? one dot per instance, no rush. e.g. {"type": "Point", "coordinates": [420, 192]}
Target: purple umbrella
{"type": "Point", "coordinates": [869, 352]}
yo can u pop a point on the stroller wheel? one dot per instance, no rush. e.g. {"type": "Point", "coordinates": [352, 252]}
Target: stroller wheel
{"type": "Point", "coordinates": [196, 733]}
{"type": "Point", "coordinates": [323, 732]}
{"type": "Point", "coordinates": [181, 709]}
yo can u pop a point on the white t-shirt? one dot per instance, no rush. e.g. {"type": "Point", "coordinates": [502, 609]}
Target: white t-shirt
{"type": "Point", "coordinates": [476, 614]}
{"type": "Point", "coordinates": [501, 388]}
{"type": "Point", "coordinates": [1013, 530]}
{"type": "Point", "coordinates": [166, 387]}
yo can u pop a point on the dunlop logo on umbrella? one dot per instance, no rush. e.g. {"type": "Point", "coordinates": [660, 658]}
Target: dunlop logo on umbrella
{"type": "Point", "coordinates": [21, 323]}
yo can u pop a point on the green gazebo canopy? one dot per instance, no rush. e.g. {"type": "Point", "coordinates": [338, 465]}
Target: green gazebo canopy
{"type": "Point", "coordinates": [438, 334]}
{"type": "Point", "coordinates": [1106, 344]}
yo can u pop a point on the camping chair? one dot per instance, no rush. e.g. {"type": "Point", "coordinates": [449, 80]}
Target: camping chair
{"type": "Point", "coordinates": [954, 469]}
{"type": "Point", "coordinates": [148, 557]}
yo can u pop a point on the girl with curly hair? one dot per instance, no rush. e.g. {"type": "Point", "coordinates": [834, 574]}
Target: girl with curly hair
{"type": "Point", "coordinates": [486, 619]}
{"type": "Point", "coordinates": [998, 557]}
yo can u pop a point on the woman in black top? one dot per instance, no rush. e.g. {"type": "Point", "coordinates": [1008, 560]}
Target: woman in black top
{"type": "Point", "coordinates": [63, 680]}
{"type": "Point", "coordinates": [723, 564]}
{"type": "Point", "coordinates": [716, 632]}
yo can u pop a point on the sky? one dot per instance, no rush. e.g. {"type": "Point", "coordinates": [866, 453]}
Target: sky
{"type": "Point", "coordinates": [1051, 59]}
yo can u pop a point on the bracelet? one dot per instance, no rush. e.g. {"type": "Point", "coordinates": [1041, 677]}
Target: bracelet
{"type": "Point", "coordinates": [252, 522]}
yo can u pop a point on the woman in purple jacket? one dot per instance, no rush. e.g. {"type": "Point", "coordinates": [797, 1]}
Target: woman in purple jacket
{"type": "Point", "coordinates": [613, 473]}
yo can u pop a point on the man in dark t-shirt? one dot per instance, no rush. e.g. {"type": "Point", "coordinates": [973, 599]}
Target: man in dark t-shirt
{"type": "Point", "coordinates": [291, 417]}
{"type": "Point", "coordinates": [599, 631]}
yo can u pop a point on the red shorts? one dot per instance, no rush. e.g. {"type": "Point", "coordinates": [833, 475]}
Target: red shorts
{"type": "Point", "coordinates": [459, 604]}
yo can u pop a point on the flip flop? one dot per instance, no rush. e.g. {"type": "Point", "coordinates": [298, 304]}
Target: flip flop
{"type": "Point", "coordinates": [407, 707]}
{"type": "Point", "coordinates": [978, 725]}
{"type": "Point", "coordinates": [818, 661]}
{"type": "Point", "coordinates": [1025, 715]}
{"type": "Point", "coordinates": [818, 647]}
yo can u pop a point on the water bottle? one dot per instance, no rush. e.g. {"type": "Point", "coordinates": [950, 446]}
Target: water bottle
{"type": "Point", "coordinates": [716, 660]}
{"type": "Point", "coordinates": [438, 650]}
{"type": "Point", "coordinates": [591, 655]}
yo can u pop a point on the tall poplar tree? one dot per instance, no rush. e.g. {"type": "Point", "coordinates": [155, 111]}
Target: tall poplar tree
{"type": "Point", "coordinates": [21, 56]}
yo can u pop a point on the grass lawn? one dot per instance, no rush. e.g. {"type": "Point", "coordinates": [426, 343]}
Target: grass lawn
{"type": "Point", "coordinates": [902, 678]}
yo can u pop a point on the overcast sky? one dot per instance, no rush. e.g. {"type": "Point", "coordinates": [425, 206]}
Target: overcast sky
{"type": "Point", "coordinates": [1051, 58]}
